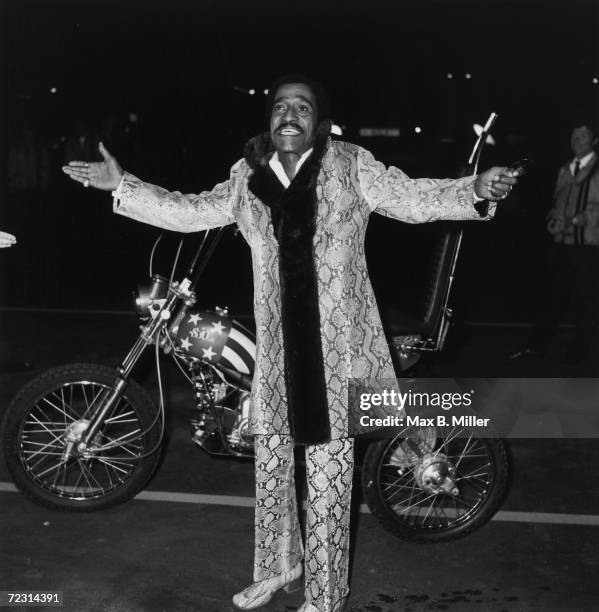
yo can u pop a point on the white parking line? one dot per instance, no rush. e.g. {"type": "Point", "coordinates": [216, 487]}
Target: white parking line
{"type": "Point", "coordinates": [554, 518]}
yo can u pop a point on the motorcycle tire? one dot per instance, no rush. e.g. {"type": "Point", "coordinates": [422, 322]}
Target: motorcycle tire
{"type": "Point", "coordinates": [405, 509]}
{"type": "Point", "coordinates": [50, 412]}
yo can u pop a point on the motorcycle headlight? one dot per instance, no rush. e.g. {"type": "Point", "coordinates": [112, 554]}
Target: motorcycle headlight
{"type": "Point", "coordinates": [147, 295]}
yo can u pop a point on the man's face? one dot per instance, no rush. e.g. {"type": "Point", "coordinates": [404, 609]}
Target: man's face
{"type": "Point", "coordinates": [293, 118]}
{"type": "Point", "coordinates": [582, 141]}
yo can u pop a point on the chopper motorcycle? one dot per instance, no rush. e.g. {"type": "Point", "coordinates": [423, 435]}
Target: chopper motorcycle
{"type": "Point", "coordinates": [84, 437]}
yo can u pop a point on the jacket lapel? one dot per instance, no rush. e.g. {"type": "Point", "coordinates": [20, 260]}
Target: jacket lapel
{"type": "Point", "coordinates": [293, 215]}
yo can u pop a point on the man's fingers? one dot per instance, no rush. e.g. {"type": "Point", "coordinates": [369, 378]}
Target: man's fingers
{"type": "Point", "coordinates": [8, 237]}
{"type": "Point", "coordinates": [497, 183]}
{"type": "Point", "coordinates": [80, 176]}
{"type": "Point", "coordinates": [76, 172]}
{"type": "Point", "coordinates": [79, 164]}
{"type": "Point", "coordinates": [507, 179]}
{"type": "Point", "coordinates": [504, 175]}
{"type": "Point", "coordinates": [501, 186]}
{"type": "Point", "coordinates": [104, 152]}
{"type": "Point", "coordinates": [498, 189]}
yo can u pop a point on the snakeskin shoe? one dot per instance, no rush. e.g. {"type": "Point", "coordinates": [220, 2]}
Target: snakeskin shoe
{"type": "Point", "coordinates": [260, 593]}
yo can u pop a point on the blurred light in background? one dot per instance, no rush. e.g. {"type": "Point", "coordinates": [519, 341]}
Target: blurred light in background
{"type": "Point", "coordinates": [252, 92]}
{"type": "Point", "coordinates": [53, 90]}
{"type": "Point", "coordinates": [467, 76]}
{"type": "Point", "coordinates": [418, 129]}
{"type": "Point", "coordinates": [336, 129]}
{"type": "Point", "coordinates": [371, 132]}
{"type": "Point", "coordinates": [266, 92]}
{"type": "Point", "coordinates": [449, 75]}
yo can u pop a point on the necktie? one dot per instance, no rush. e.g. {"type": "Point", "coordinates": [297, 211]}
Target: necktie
{"type": "Point", "coordinates": [576, 168]}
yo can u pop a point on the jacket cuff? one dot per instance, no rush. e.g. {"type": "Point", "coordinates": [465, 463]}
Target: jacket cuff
{"type": "Point", "coordinates": [116, 194]}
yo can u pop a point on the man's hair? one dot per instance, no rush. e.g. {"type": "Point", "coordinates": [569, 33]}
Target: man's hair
{"type": "Point", "coordinates": [323, 110]}
{"type": "Point", "coordinates": [587, 124]}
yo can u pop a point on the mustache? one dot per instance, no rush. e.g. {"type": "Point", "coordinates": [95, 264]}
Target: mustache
{"type": "Point", "coordinates": [291, 124]}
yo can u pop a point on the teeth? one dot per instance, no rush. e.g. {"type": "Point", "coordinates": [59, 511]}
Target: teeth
{"type": "Point", "coordinates": [289, 132]}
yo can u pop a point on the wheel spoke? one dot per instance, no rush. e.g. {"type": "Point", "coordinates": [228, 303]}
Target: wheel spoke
{"type": "Point", "coordinates": [66, 409]}
{"type": "Point", "coordinates": [478, 477]}
{"type": "Point", "coordinates": [33, 454]}
{"type": "Point", "coordinates": [99, 394]}
{"type": "Point", "coordinates": [429, 511]}
{"type": "Point", "coordinates": [50, 469]}
{"type": "Point", "coordinates": [413, 505]}
{"type": "Point", "coordinates": [84, 473]}
{"type": "Point", "coordinates": [66, 416]}
{"type": "Point", "coordinates": [56, 438]}
{"type": "Point", "coordinates": [118, 442]}
{"type": "Point", "coordinates": [85, 400]}
{"type": "Point", "coordinates": [466, 446]}
{"type": "Point", "coordinates": [452, 435]}
{"type": "Point", "coordinates": [111, 463]}
{"type": "Point", "coordinates": [473, 473]}
{"type": "Point", "coordinates": [119, 418]}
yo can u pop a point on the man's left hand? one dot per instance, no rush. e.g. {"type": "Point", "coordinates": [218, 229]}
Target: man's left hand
{"type": "Point", "coordinates": [495, 184]}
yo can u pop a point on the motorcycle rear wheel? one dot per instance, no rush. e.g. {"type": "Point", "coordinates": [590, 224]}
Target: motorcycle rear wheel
{"type": "Point", "coordinates": [409, 512]}
{"type": "Point", "coordinates": [51, 409]}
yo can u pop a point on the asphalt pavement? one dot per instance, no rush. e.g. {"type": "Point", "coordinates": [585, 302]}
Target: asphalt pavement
{"type": "Point", "coordinates": [185, 544]}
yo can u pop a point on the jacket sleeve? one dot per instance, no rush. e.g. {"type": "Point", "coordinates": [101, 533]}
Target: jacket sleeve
{"type": "Point", "coordinates": [173, 210]}
{"type": "Point", "coordinates": [392, 193]}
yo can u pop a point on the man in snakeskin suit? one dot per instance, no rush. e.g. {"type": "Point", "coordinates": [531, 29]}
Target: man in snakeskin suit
{"type": "Point", "coordinates": [302, 201]}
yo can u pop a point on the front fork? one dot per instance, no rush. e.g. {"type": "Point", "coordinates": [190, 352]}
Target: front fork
{"type": "Point", "coordinates": [149, 335]}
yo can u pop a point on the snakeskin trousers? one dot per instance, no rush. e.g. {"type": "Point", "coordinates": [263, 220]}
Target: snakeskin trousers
{"type": "Point", "coordinates": [278, 546]}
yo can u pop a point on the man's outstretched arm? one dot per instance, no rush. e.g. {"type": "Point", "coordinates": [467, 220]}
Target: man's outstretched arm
{"type": "Point", "coordinates": [151, 204]}
{"type": "Point", "coordinates": [390, 192]}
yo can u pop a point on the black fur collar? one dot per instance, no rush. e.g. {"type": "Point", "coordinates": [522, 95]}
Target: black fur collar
{"type": "Point", "coordinates": [293, 213]}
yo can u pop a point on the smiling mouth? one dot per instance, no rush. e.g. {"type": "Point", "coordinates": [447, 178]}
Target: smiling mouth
{"type": "Point", "coordinates": [289, 131]}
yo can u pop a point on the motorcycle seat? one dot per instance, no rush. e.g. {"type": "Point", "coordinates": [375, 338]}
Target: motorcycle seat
{"type": "Point", "coordinates": [398, 323]}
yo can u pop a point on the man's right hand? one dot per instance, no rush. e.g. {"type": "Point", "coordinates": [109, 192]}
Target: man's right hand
{"type": "Point", "coordinates": [105, 175]}
{"type": "Point", "coordinates": [6, 240]}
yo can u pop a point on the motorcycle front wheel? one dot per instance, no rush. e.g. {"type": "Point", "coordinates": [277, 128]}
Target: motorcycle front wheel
{"type": "Point", "coordinates": [399, 489]}
{"type": "Point", "coordinates": [44, 422]}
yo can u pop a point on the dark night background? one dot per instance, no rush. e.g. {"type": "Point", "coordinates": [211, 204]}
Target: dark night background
{"type": "Point", "coordinates": [174, 79]}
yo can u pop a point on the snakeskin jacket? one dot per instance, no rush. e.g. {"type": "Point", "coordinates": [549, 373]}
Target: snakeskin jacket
{"type": "Point", "coordinates": [317, 322]}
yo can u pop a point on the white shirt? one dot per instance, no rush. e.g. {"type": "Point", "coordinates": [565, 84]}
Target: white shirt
{"type": "Point", "coordinates": [277, 167]}
{"type": "Point", "coordinates": [584, 161]}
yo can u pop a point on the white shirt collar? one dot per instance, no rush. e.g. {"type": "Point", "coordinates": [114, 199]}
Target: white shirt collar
{"type": "Point", "coordinates": [277, 167]}
{"type": "Point", "coordinates": [584, 161]}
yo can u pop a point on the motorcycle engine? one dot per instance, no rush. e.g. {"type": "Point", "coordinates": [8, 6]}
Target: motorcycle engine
{"type": "Point", "coordinates": [234, 418]}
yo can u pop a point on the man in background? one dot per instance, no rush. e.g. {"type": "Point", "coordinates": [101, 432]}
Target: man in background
{"type": "Point", "coordinates": [573, 223]}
